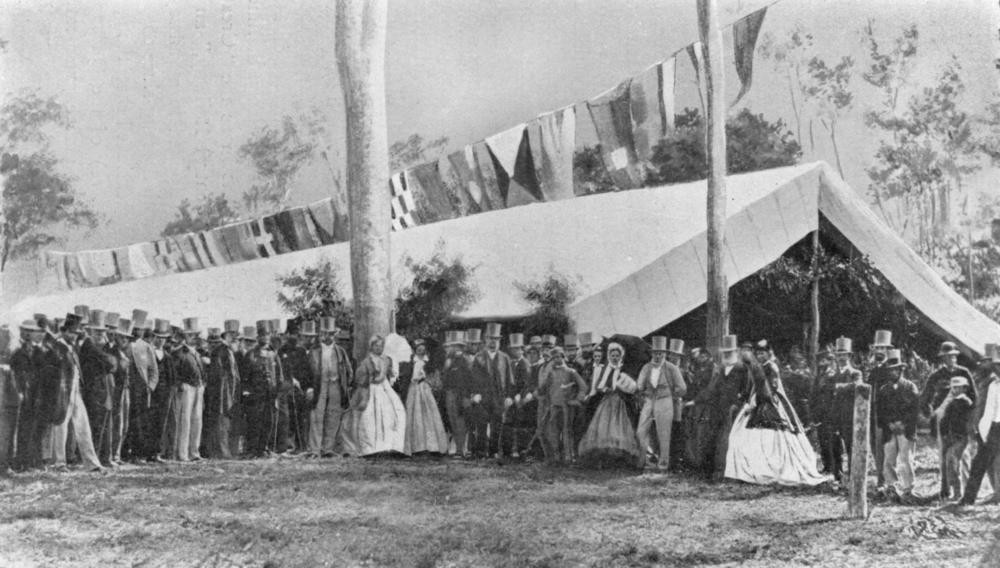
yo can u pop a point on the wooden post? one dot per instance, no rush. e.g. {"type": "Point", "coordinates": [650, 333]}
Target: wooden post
{"type": "Point", "coordinates": [814, 308]}
{"type": "Point", "coordinates": [360, 34]}
{"type": "Point", "coordinates": [717, 300]}
{"type": "Point", "coordinates": [857, 504]}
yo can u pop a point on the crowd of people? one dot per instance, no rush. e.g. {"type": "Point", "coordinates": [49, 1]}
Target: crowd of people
{"type": "Point", "coordinates": [98, 389]}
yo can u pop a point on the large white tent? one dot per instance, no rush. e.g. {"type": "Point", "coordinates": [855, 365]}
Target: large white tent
{"type": "Point", "coordinates": [639, 257]}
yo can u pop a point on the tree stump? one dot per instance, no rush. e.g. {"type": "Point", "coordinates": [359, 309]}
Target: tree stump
{"type": "Point", "coordinates": [857, 500]}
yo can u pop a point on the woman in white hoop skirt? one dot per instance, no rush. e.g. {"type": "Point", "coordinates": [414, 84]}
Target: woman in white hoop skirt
{"type": "Point", "coordinates": [767, 444]}
{"type": "Point", "coordinates": [380, 418]}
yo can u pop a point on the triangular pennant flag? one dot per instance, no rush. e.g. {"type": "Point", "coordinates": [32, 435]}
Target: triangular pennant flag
{"type": "Point", "coordinates": [493, 174]}
{"type": "Point", "coordinates": [666, 78]}
{"type": "Point", "coordinates": [457, 176]}
{"type": "Point", "coordinates": [745, 34]}
{"type": "Point", "coordinates": [505, 147]}
{"type": "Point", "coordinates": [138, 260]}
{"type": "Point", "coordinates": [552, 138]}
{"type": "Point", "coordinates": [323, 218]}
{"type": "Point", "coordinates": [613, 123]}
{"type": "Point", "coordinates": [644, 105]}
{"type": "Point", "coordinates": [696, 52]}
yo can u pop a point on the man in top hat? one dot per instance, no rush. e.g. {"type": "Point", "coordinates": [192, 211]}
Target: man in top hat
{"type": "Point", "coordinates": [74, 414]}
{"type": "Point", "coordinates": [456, 378]}
{"type": "Point", "coordinates": [473, 342]}
{"type": "Point", "coordinates": [27, 366]}
{"type": "Point", "coordinates": [548, 343]}
{"type": "Point", "coordinates": [660, 383]}
{"type": "Point", "coordinates": [898, 411]}
{"type": "Point", "coordinates": [119, 340]}
{"type": "Point", "coordinates": [564, 391]}
{"type": "Point", "coordinates": [261, 375]}
{"type": "Point", "coordinates": [835, 403]}
{"type": "Point", "coordinates": [698, 412]}
{"type": "Point", "coordinates": [298, 374]}
{"type": "Point", "coordinates": [98, 362]}
{"type": "Point", "coordinates": [678, 435]}
{"type": "Point", "coordinates": [494, 374]}
{"type": "Point", "coordinates": [536, 342]}
{"type": "Point", "coordinates": [331, 365]}
{"type": "Point", "coordinates": [729, 388]}
{"type": "Point", "coordinates": [984, 373]}
{"type": "Point", "coordinates": [144, 378]}
{"type": "Point", "coordinates": [190, 375]}
{"type": "Point", "coordinates": [222, 391]}
{"type": "Point", "coordinates": [878, 375]}
{"type": "Point", "coordinates": [936, 389]}
{"type": "Point", "coordinates": [164, 396]}
{"type": "Point", "coordinates": [516, 420]}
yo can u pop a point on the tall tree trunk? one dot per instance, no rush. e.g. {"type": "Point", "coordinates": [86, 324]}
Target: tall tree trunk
{"type": "Point", "coordinates": [944, 209]}
{"type": "Point", "coordinates": [795, 107]}
{"type": "Point", "coordinates": [360, 37]}
{"type": "Point", "coordinates": [717, 323]}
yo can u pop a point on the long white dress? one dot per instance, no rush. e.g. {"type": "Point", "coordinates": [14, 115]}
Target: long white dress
{"type": "Point", "coordinates": [381, 426]}
{"type": "Point", "coordinates": [424, 429]}
{"type": "Point", "coordinates": [764, 454]}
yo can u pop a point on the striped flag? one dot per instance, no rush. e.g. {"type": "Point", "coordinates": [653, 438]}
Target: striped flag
{"type": "Point", "coordinates": [402, 203]}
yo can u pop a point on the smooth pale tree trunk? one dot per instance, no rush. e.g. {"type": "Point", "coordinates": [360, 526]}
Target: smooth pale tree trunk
{"type": "Point", "coordinates": [360, 37]}
{"type": "Point", "coordinates": [717, 323]}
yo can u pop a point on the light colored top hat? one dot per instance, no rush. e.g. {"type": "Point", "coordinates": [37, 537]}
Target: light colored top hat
{"type": "Point", "coordinates": [729, 343]}
{"type": "Point", "coordinates": [586, 339]}
{"type": "Point", "coordinates": [97, 319]}
{"type": "Point", "coordinates": [454, 338]}
{"type": "Point", "coordinates": [948, 348]}
{"type": "Point", "coordinates": [549, 340]}
{"type": "Point", "coordinates": [125, 327]}
{"type": "Point", "coordinates": [894, 358]}
{"type": "Point", "coordinates": [249, 333]}
{"type": "Point", "coordinates": [516, 340]}
{"type": "Point", "coordinates": [83, 312]}
{"type": "Point", "coordinates": [327, 324]}
{"type": "Point", "coordinates": [474, 335]}
{"type": "Point", "coordinates": [843, 345]}
{"type": "Point", "coordinates": [30, 325]}
{"type": "Point", "coordinates": [883, 338]}
{"type": "Point", "coordinates": [191, 325]}
{"type": "Point", "coordinates": [231, 326]}
{"type": "Point", "coordinates": [571, 340]}
{"type": "Point", "coordinates": [676, 347]}
{"type": "Point", "coordinates": [111, 320]}
{"type": "Point", "coordinates": [307, 328]}
{"type": "Point", "coordinates": [140, 319]}
{"type": "Point", "coordinates": [493, 331]}
{"type": "Point", "coordinates": [161, 328]}
{"type": "Point", "coordinates": [659, 343]}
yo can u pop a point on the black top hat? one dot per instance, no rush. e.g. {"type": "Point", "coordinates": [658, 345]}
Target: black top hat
{"type": "Point", "coordinates": [72, 322]}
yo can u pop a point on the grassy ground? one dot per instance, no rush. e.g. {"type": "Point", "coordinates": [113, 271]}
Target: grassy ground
{"type": "Point", "coordinates": [353, 512]}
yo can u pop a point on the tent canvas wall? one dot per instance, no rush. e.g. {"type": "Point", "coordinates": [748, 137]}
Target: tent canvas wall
{"type": "Point", "coordinates": [639, 256]}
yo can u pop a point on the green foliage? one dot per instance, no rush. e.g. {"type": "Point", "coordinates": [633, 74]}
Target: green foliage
{"type": "Point", "coordinates": [213, 211]}
{"type": "Point", "coordinates": [589, 172]}
{"type": "Point", "coordinates": [413, 150]}
{"type": "Point", "coordinates": [752, 143]}
{"type": "Point", "coordinates": [277, 155]}
{"type": "Point", "coordinates": [441, 288]}
{"type": "Point", "coordinates": [38, 197]}
{"type": "Point", "coordinates": [314, 291]}
{"type": "Point", "coordinates": [551, 298]}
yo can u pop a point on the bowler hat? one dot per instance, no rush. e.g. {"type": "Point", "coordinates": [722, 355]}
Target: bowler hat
{"type": "Point", "coordinates": [883, 338]}
{"type": "Point", "coordinates": [659, 343]}
{"type": "Point", "coordinates": [948, 348]}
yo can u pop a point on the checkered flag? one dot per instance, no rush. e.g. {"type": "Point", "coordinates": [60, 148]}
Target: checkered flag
{"type": "Point", "coordinates": [402, 203]}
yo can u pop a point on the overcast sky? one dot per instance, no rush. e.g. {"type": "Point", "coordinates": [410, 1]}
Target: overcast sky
{"type": "Point", "coordinates": [162, 94]}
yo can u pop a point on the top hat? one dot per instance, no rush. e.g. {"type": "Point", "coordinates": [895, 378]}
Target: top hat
{"type": "Point", "coordinates": [291, 327]}
{"type": "Point", "coordinates": [762, 345]}
{"type": "Point", "coordinates": [659, 343]}
{"type": "Point", "coordinates": [83, 312]}
{"type": "Point", "coordinates": [549, 340]}
{"type": "Point", "coordinates": [676, 347]}
{"type": "Point", "coordinates": [191, 326]}
{"type": "Point", "coordinates": [958, 381]}
{"type": "Point", "coordinates": [454, 338]}
{"type": "Point", "coordinates": [96, 319]}
{"type": "Point", "coordinates": [111, 320]}
{"type": "Point", "coordinates": [493, 331]}
{"type": "Point", "coordinates": [535, 340]}
{"type": "Point", "coordinates": [894, 359]}
{"type": "Point", "coordinates": [162, 328]}
{"type": "Point", "coordinates": [586, 339]}
{"type": "Point", "coordinates": [557, 351]}
{"type": "Point", "coordinates": [30, 325]}
{"type": "Point", "coordinates": [843, 345]}
{"type": "Point", "coordinates": [214, 334]}
{"type": "Point", "coordinates": [571, 340]}
{"type": "Point", "coordinates": [249, 333]}
{"type": "Point", "coordinates": [327, 324]}
{"type": "Point", "coordinates": [883, 338]}
{"type": "Point", "coordinates": [474, 335]}
{"type": "Point", "coordinates": [72, 322]}
{"type": "Point", "coordinates": [516, 340]}
{"type": "Point", "coordinates": [274, 325]}
{"type": "Point", "coordinates": [948, 348]}
{"type": "Point", "coordinates": [307, 329]}
{"type": "Point", "coordinates": [728, 343]}
{"type": "Point", "coordinates": [125, 327]}
{"type": "Point", "coordinates": [263, 327]}
{"type": "Point", "coordinates": [231, 326]}
{"type": "Point", "coordinates": [140, 319]}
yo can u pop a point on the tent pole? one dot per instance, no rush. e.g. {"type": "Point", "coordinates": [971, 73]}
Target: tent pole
{"type": "Point", "coordinates": [717, 323]}
{"type": "Point", "coordinates": [814, 306]}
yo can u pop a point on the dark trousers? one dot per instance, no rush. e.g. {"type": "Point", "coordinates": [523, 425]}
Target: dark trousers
{"type": "Point", "coordinates": [678, 442]}
{"type": "Point", "coordinates": [8, 434]}
{"type": "Point", "coordinates": [160, 422]}
{"type": "Point", "coordinates": [101, 422]}
{"type": "Point", "coordinates": [138, 437]}
{"type": "Point", "coordinates": [483, 430]}
{"type": "Point", "coordinates": [284, 438]}
{"type": "Point", "coordinates": [31, 430]}
{"type": "Point", "coordinates": [260, 415]}
{"type": "Point", "coordinates": [832, 446]}
{"type": "Point", "coordinates": [981, 464]}
{"type": "Point", "coordinates": [718, 443]}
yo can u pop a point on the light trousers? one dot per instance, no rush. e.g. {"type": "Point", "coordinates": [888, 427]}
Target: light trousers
{"type": "Point", "coordinates": [325, 418]}
{"type": "Point", "coordinates": [76, 418]}
{"type": "Point", "coordinates": [190, 405]}
{"type": "Point", "coordinates": [898, 465]}
{"type": "Point", "coordinates": [660, 411]}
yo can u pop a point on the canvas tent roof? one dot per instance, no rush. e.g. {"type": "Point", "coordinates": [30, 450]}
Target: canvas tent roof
{"type": "Point", "coordinates": [639, 257]}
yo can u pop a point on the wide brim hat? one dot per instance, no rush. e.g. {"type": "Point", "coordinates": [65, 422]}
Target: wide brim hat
{"type": "Point", "coordinates": [948, 348]}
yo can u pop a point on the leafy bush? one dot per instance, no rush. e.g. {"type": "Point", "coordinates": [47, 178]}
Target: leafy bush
{"type": "Point", "coordinates": [314, 291]}
{"type": "Point", "coordinates": [441, 288]}
{"type": "Point", "coordinates": [551, 298]}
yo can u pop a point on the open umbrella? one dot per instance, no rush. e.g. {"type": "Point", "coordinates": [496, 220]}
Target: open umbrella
{"type": "Point", "coordinates": [637, 352]}
{"type": "Point", "coordinates": [398, 349]}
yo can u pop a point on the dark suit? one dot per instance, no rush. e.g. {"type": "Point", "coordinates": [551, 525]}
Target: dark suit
{"type": "Point", "coordinates": [99, 363]}
{"type": "Point", "coordinates": [291, 400]}
{"type": "Point", "coordinates": [222, 390]}
{"type": "Point", "coordinates": [724, 396]}
{"type": "Point", "coordinates": [69, 410]}
{"type": "Point", "coordinates": [493, 378]}
{"type": "Point", "coordinates": [456, 378]}
{"type": "Point", "coordinates": [26, 364]}
{"type": "Point", "coordinates": [261, 375]}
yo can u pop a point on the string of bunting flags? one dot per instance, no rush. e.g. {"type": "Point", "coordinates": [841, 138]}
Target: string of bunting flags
{"type": "Point", "coordinates": [529, 163]}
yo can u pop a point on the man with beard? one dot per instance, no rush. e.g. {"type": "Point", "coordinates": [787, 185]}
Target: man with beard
{"type": "Point", "coordinates": [729, 389]}
{"type": "Point", "coordinates": [99, 361]}
{"type": "Point", "coordinates": [145, 378]}
{"type": "Point", "coordinates": [456, 379]}
{"type": "Point", "coordinates": [935, 391]}
{"type": "Point", "coordinates": [261, 376]}
{"type": "Point", "coordinates": [331, 367]}
{"type": "Point", "coordinates": [298, 380]}
{"type": "Point", "coordinates": [878, 376]}
{"type": "Point", "coordinates": [522, 378]}
{"type": "Point", "coordinates": [835, 397]}
{"type": "Point", "coordinates": [494, 375]}
{"type": "Point", "coordinates": [222, 390]}
{"type": "Point", "coordinates": [698, 412]}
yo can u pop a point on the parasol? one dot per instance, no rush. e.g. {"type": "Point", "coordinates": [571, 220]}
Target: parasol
{"type": "Point", "coordinates": [637, 352]}
{"type": "Point", "coordinates": [398, 349]}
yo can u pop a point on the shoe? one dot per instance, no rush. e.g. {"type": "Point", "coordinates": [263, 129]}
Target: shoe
{"type": "Point", "coordinates": [515, 455]}
{"type": "Point", "coordinates": [196, 458]}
